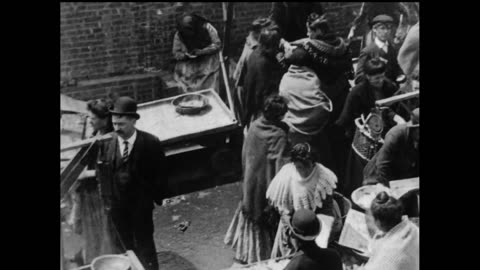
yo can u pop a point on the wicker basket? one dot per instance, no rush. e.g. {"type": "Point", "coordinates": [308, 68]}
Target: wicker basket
{"type": "Point", "coordinates": [363, 143]}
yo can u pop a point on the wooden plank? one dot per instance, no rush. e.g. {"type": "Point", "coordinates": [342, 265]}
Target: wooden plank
{"type": "Point", "coordinates": [70, 173]}
{"type": "Point", "coordinates": [227, 86]}
{"type": "Point", "coordinates": [175, 150]}
{"type": "Point", "coordinates": [395, 99]}
{"type": "Point", "coordinates": [136, 265]}
{"type": "Point", "coordinates": [83, 143]}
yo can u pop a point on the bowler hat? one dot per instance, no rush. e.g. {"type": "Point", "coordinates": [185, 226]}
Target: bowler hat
{"type": "Point", "coordinates": [305, 225]}
{"type": "Point", "coordinates": [382, 18]}
{"type": "Point", "coordinates": [125, 106]}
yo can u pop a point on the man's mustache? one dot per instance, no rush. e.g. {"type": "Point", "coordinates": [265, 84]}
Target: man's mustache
{"type": "Point", "coordinates": [119, 131]}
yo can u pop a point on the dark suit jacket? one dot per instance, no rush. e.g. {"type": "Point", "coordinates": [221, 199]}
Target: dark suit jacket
{"type": "Point", "coordinates": [397, 159]}
{"type": "Point", "coordinates": [392, 71]}
{"type": "Point", "coordinates": [314, 258]}
{"type": "Point", "coordinates": [147, 169]}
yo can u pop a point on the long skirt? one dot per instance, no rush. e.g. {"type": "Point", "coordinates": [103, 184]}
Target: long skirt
{"type": "Point", "coordinates": [354, 173]}
{"type": "Point", "coordinates": [93, 223]}
{"type": "Point", "coordinates": [199, 73]}
{"type": "Point", "coordinates": [252, 242]}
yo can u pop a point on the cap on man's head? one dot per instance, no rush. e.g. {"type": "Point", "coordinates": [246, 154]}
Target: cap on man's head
{"type": "Point", "coordinates": [125, 106]}
{"type": "Point", "coordinates": [381, 19]}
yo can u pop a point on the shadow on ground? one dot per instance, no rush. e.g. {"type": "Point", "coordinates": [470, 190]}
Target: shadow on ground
{"type": "Point", "coordinates": [172, 261]}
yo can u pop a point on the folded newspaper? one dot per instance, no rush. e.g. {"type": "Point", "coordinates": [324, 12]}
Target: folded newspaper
{"type": "Point", "coordinates": [400, 187]}
{"type": "Point", "coordinates": [355, 232]}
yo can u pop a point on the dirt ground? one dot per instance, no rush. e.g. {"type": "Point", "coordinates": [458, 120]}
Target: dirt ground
{"type": "Point", "coordinates": [201, 245]}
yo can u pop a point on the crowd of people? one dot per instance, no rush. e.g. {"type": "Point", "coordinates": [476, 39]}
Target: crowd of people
{"type": "Point", "coordinates": [301, 116]}
{"type": "Point", "coordinates": [303, 106]}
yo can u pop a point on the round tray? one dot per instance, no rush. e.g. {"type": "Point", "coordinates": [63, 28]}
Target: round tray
{"type": "Point", "coordinates": [359, 195]}
{"type": "Point", "coordinates": [190, 104]}
{"type": "Point", "coordinates": [111, 262]}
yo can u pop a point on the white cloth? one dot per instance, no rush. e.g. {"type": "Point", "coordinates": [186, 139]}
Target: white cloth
{"type": "Point", "coordinates": [398, 249]}
{"type": "Point", "coordinates": [130, 141]}
{"type": "Point", "coordinates": [289, 191]}
{"type": "Point", "coordinates": [382, 45]}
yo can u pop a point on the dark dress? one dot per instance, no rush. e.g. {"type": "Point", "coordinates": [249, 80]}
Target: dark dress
{"type": "Point", "coordinates": [291, 17]}
{"type": "Point", "coordinates": [262, 78]}
{"type": "Point", "coordinates": [93, 223]}
{"type": "Point", "coordinates": [313, 258]}
{"type": "Point", "coordinates": [265, 151]}
{"type": "Point", "coordinates": [361, 100]}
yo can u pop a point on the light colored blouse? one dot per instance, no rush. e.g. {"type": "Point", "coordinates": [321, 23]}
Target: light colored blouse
{"type": "Point", "coordinates": [289, 191]}
{"type": "Point", "coordinates": [398, 249]}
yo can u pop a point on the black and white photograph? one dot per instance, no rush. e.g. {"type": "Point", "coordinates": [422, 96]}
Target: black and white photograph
{"type": "Point", "coordinates": [240, 135]}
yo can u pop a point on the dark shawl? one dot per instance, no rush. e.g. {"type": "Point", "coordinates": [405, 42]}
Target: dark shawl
{"type": "Point", "coordinates": [331, 60]}
{"type": "Point", "coordinates": [361, 100]}
{"type": "Point", "coordinates": [262, 79]}
{"type": "Point", "coordinates": [200, 38]}
{"type": "Point", "coordinates": [291, 17]}
{"type": "Point", "coordinates": [265, 151]}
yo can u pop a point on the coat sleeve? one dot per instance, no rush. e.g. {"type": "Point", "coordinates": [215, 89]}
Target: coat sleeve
{"type": "Point", "coordinates": [216, 43]}
{"type": "Point", "coordinates": [350, 110]}
{"type": "Point", "coordinates": [179, 49]}
{"type": "Point", "coordinates": [396, 67]}
{"type": "Point", "coordinates": [409, 53]}
{"type": "Point", "coordinates": [387, 155]}
{"type": "Point", "coordinates": [360, 73]}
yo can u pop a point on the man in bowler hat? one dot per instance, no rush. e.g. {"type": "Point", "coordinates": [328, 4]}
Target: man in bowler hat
{"type": "Point", "coordinates": [132, 178]}
{"type": "Point", "coordinates": [305, 227]}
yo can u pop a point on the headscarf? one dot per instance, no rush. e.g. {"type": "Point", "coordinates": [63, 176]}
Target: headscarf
{"type": "Point", "coordinates": [192, 32]}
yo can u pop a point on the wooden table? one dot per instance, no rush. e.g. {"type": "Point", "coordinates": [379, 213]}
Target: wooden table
{"type": "Point", "coordinates": [176, 131]}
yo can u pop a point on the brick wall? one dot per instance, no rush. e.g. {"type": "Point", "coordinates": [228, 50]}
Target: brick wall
{"type": "Point", "coordinates": [104, 44]}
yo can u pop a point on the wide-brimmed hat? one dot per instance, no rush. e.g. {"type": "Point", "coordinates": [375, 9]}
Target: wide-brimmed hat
{"type": "Point", "coordinates": [305, 225]}
{"type": "Point", "coordinates": [125, 106]}
{"type": "Point", "coordinates": [382, 18]}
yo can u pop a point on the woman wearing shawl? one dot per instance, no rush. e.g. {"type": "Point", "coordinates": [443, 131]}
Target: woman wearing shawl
{"type": "Point", "coordinates": [301, 184]}
{"type": "Point", "coordinates": [263, 74]}
{"type": "Point", "coordinates": [332, 62]}
{"type": "Point", "coordinates": [195, 48]}
{"type": "Point", "coordinates": [396, 244]}
{"type": "Point", "coordinates": [251, 44]}
{"type": "Point", "coordinates": [264, 152]}
{"type": "Point", "coordinates": [90, 218]}
{"type": "Point", "coordinates": [308, 106]}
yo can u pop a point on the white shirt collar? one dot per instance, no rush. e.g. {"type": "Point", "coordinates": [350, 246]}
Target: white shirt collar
{"type": "Point", "coordinates": [381, 44]}
{"type": "Point", "coordinates": [130, 141]}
